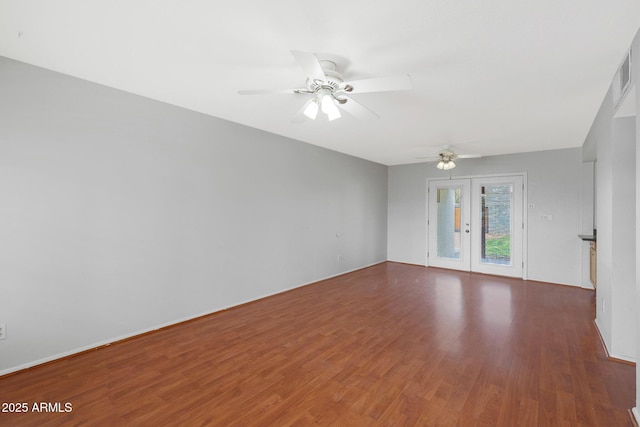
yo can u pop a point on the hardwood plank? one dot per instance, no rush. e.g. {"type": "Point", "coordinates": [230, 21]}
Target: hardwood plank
{"type": "Point", "coordinates": [528, 413]}
{"type": "Point", "coordinates": [388, 345]}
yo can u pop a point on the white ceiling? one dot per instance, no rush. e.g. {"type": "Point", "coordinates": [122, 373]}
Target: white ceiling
{"type": "Point", "coordinates": [490, 77]}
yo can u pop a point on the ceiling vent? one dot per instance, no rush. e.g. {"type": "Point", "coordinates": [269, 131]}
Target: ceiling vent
{"type": "Point", "coordinates": [622, 81]}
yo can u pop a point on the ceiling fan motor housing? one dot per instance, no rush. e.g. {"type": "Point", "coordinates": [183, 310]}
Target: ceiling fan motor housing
{"type": "Point", "coordinates": [448, 155]}
{"type": "Point", "coordinates": [333, 81]}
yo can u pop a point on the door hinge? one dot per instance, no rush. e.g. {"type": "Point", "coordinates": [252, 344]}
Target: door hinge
{"type": "Point", "coordinates": [522, 264]}
{"type": "Point", "coordinates": [523, 225]}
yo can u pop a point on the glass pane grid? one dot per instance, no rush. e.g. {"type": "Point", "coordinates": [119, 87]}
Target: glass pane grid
{"type": "Point", "coordinates": [448, 213]}
{"type": "Point", "coordinates": [496, 211]}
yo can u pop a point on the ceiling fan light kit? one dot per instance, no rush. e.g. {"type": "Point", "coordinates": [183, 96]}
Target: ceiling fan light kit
{"type": "Point", "coordinates": [446, 165]}
{"type": "Point", "coordinates": [447, 156]}
{"type": "Point", "coordinates": [447, 160]}
{"type": "Point", "coordinates": [327, 103]}
{"type": "Point", "coordinates": [331, 93]}
{"type": "Point", "coordinates": [311, 111]}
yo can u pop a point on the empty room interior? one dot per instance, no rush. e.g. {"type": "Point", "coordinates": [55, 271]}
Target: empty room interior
{"type": "Point", "coordinates": [278, 213]}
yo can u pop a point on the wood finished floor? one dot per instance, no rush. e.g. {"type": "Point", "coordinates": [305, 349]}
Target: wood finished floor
{"type": "Point", "coordinates": [389, 345]}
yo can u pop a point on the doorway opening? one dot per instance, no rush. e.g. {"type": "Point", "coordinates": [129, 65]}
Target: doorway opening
{"type": "Point", "coordinates": [476, 224]}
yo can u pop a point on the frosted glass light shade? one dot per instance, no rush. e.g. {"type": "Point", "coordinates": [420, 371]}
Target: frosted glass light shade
{"type": "Point", "coordinates": [312, 110]}
{"type": "Point", "coordinates": [446, 165]}
{"type": "Point", "coordinates": [328, 106]}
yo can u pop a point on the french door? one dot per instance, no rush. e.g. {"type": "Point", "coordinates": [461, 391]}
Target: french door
{"type": "Point", "coordinates": [476, 224]}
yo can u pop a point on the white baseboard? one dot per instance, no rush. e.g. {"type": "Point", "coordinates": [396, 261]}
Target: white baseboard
{"type": "Point", "coordinates": [588, 286]}
{"type": "Point", "coordinates": [608, 352]}
{"type": "Point", "coordinates": [623, 358]}
{"type": "Point", "coordinates": [162, 325]}
{"type": "Point", "coordinates": [636, 415]}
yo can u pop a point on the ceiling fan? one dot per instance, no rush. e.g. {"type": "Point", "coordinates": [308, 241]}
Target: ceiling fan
{"type": "Point", "coordinates": [330, 92]}
{"type": "Point", "coordinates": [446, 158]}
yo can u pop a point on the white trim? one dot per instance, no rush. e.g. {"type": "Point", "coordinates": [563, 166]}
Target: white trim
{"type": "Point", "coordinates": [620, 357]}
{"type": "Point", "coordinates": [162, 325]}
{"type": "Point", "coordinates": [525, 214]}
{"type": "Point", "coordinates": [463, 261]}
{"type": "Point", "coordinates": [636, 414]}
{"type": "Point", "coordinates": [608, 352]}
{"type": "Point", "coordinates": [426, 253]}
{"type": "Point", "coordinates": [525, 220]}
{"type": "Point", "coordinates": [602, 336]}
{"type": "Point", "coordinates": [516, 267]}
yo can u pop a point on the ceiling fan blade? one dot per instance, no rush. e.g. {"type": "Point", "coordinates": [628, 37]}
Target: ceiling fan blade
{"type": "Point", "coordinates": [358, 110]}
{"type": "Point", "coordinates": [310, 65]}
{"type": "Point", "coordinates": [270, 91]}
{"type": "Point", "coordinates": [381, 84]}
{"type": "Point", "coordinates": [469, 156]}
{"type": "Point", "coordinates": [428, 158]}
{"type": "Point", "coordinates": [300, 117]}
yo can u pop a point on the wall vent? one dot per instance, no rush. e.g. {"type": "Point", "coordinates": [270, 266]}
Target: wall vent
{"type": "Point", "coordinates": [622, 81]}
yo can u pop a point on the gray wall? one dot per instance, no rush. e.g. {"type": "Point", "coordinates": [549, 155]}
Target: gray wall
{"type": "Point", "coordinates": [623, 214]}
{"type": "Point", "coordinates": [554, 187]}
{"type": "Point", "coordinates": [614, 139]}
{"type": "Point", "coordinates": [636, 301]}
{"type": "Point", "coordinates": [120, 214]}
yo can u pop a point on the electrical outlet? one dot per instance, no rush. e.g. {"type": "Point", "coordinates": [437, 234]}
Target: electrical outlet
{"type": "Point", "coordinates": [3, 331]}
{"type": "Point", "coordinates": [603, 305]}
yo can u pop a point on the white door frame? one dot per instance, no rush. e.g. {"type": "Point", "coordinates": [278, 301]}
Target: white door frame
{"type": "Point", "coordinates": [525, 219]}
{"type": "Point", "coordinates": [463, 259]}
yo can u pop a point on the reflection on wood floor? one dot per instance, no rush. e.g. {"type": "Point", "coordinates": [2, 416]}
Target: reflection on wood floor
{"type": "Point", "coordinates": [389, 345]}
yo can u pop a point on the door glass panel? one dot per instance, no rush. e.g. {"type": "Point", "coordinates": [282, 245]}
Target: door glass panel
{"type": "Point", "coordinates": [448, 212]}
{"type": "Point", "coordinates": [496, 211]}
